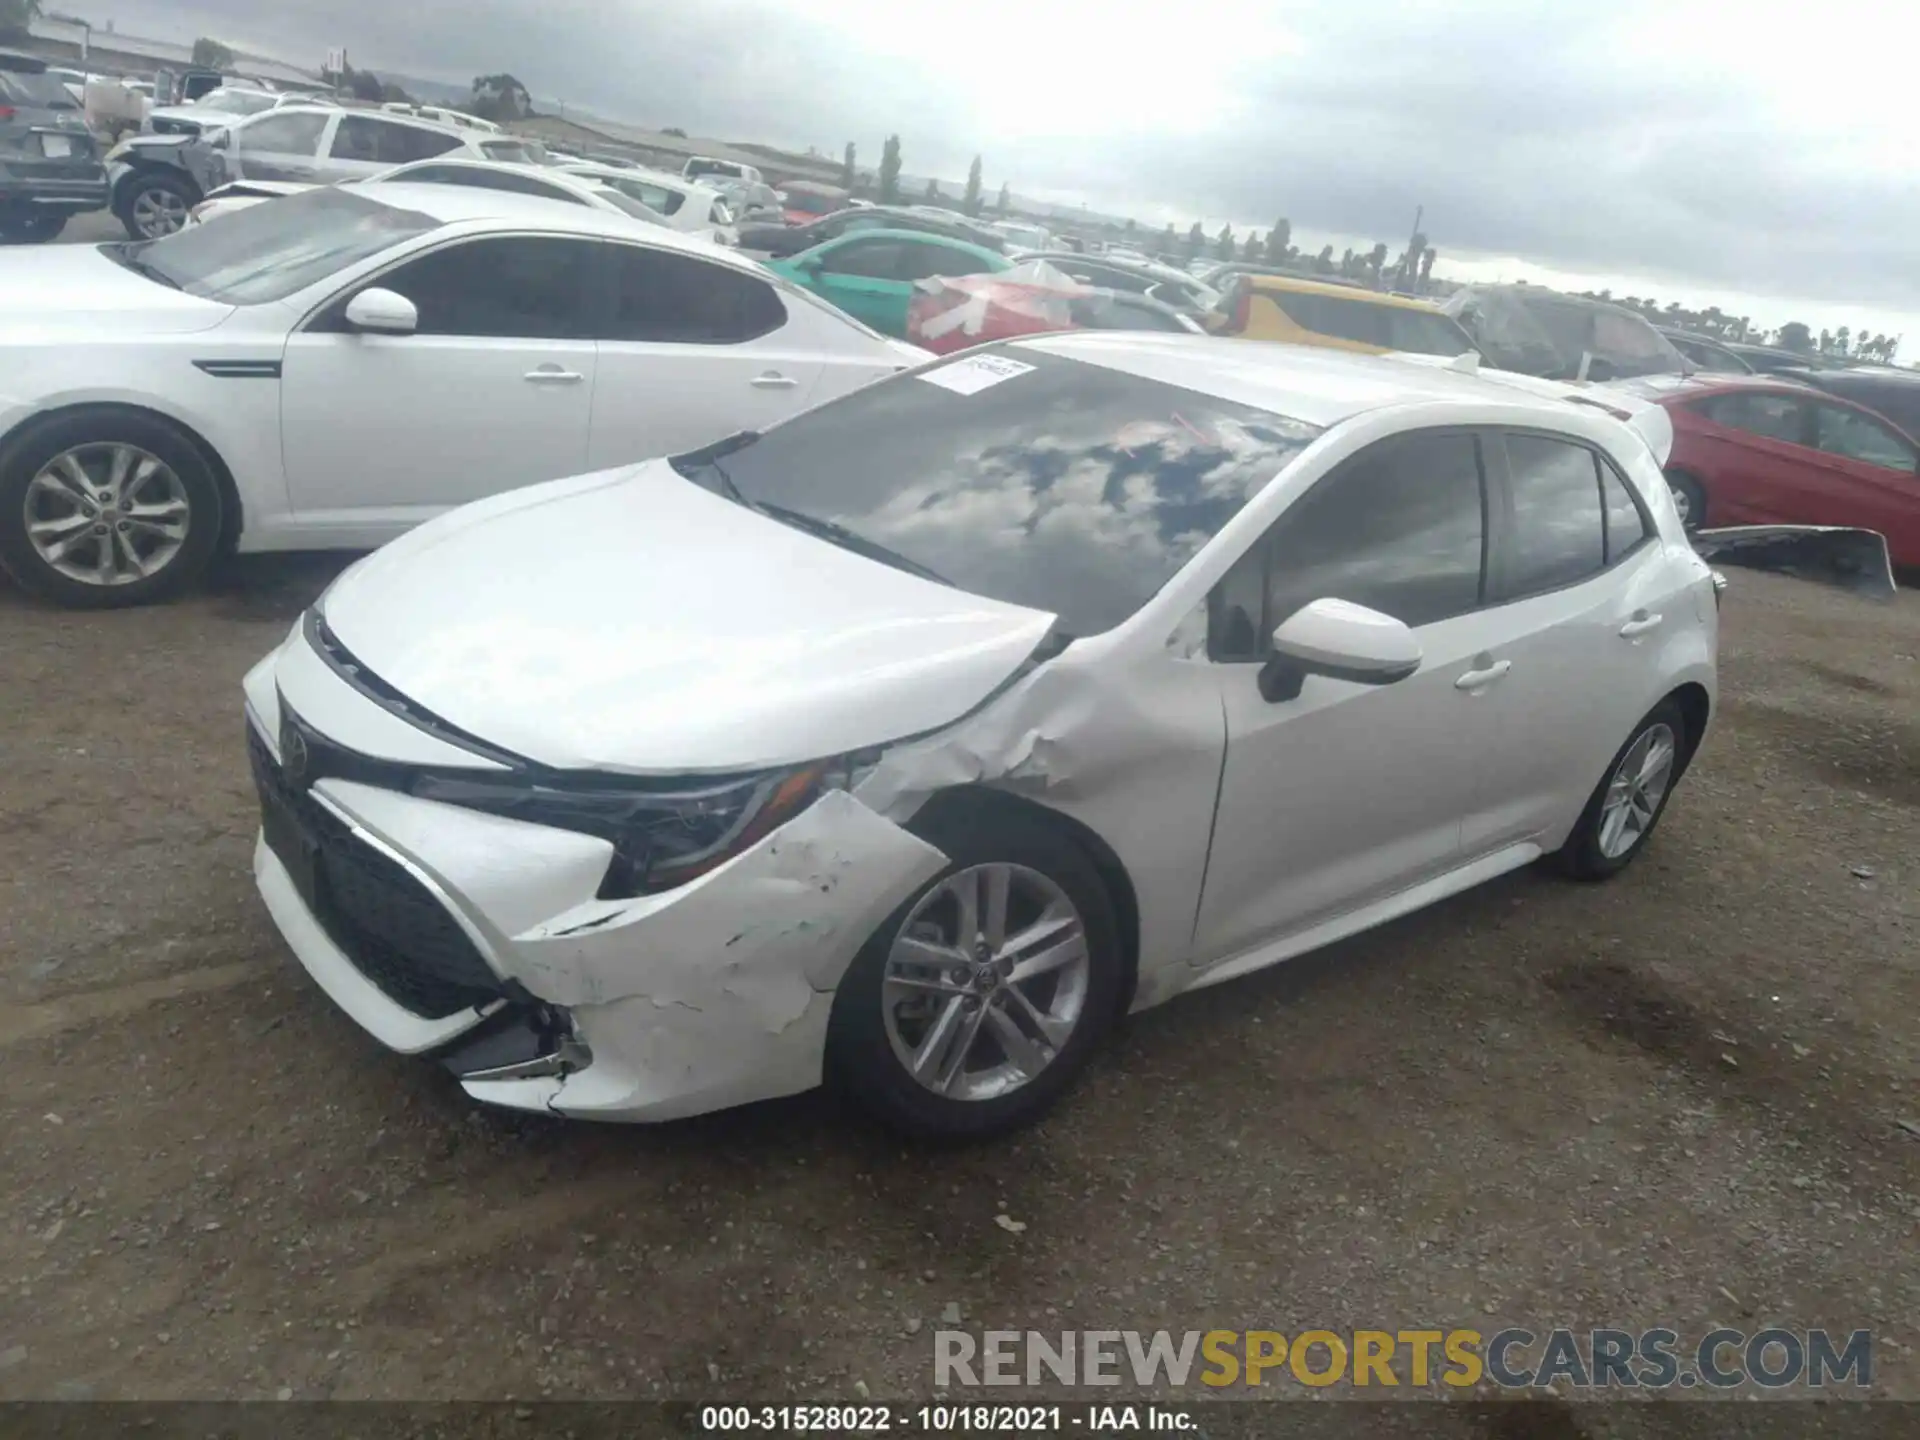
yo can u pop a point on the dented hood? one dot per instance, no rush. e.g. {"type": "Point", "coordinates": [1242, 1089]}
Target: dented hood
{"type": "Point", "coordinates": [631, 621]}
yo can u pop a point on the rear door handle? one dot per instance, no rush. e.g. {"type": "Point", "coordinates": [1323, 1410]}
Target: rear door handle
{"type": "Point", "coordinates": [554, 375]}
{"type": "Point", "coordinates": [1640, 624]}
{"type": "Point", "coordinates": [773, 380]}
{"type": "Point", "coordinates": [1489, 671]}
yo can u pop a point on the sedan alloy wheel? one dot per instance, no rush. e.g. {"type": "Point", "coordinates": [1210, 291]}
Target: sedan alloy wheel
{"type": "Point", "coordinates": [985, 981]}
{"type": "Point", "coordinates": [107, 514]}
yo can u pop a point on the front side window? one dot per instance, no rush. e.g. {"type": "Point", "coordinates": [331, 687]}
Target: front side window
{"type": "Point", "coordinates": [870, 260]}
{"type": "Point", "coordinates": [1854, 436]}
{"type": "Point", "coordinates": [664, 298]}
{"type": "Point", "coordinates": [1022, 476]}
{"type": "Point", "coordinates": [286, 134]}
{"type": "Point", "coordinates": [1559, 528]}
{"type": "Point", "coordinates": [518, 287]}
{"type": "Point", "coordinates": [268, 252]}
{"type": "Point", "coordinates": [1400, 528]}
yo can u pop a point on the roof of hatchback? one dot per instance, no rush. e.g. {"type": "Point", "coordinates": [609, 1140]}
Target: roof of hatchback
{"type": "Point", "coordinates": [1304, 382]}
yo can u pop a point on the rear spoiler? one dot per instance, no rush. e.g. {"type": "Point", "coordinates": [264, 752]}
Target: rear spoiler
{"type": "Point", "coordinates": [1856, 561]}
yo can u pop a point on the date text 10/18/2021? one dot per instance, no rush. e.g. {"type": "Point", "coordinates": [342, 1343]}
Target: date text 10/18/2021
{"type": "Point", "coordinates": [979, 1419]}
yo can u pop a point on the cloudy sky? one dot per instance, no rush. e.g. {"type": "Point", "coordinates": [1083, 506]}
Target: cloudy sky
{"type": "Point", "coordinates": [1760, 156]}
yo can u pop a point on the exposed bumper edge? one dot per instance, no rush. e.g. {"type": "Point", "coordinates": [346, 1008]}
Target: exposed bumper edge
{"type": "Point", "coordinates": [396, 1028]}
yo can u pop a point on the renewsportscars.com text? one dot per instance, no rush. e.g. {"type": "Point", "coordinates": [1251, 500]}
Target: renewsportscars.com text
{"type": "Point", "coordinates": [1512, 1359]}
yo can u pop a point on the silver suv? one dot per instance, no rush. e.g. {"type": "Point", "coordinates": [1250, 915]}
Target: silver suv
{"type": "Point", "coordinates": [49, 168]}
{"type": "Point", "coordinates": [158, 179]}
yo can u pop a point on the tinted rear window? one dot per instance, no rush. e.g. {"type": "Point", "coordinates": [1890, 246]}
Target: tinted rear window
{"type": "Point", "coordinates": [1063, 486]}
{"type": "Point", "coordinates": [36, 89]}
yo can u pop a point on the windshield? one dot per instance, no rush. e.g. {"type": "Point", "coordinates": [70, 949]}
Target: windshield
{"type": "Point", "coordinates": [509, 152]}
{"type": "Point", "coordinates": [1548, 335]}
{"type": "Point", "coordinates": [35, 89]}
{"type": "Point", "coordinates": [235, 102]}
{"type": "Point", "coordinates": [268, 252]}
{"type": "Point", "coordinates": [1022, 476]}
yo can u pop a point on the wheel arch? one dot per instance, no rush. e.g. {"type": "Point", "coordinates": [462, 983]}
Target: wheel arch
{"type": "Point", "coordinates": [979, 800]}
{"type": "Point", "coordinates": [1697, 708]}
{"type": "Point", "coordinates": [232, 512]}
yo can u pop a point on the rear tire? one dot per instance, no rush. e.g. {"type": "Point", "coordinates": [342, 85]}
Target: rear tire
{"type": "Point", "coordinates": [1628, 803]}
{"type": "Point", "coordinates": [1020, 1042]}
{"type": "Point", "coordinates": [1688, 498]}
{"type": "Point", "coordinates": [158, 527]}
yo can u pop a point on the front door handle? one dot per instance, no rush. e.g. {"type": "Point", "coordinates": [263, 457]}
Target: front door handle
{"type": "Point", "coordinates": [554, 375]}
{"type": "Point", "coordinates": [1640, 624]}
{"type": "Point", "coordinates": [1486, 671]}
{"type": "Point", "coordinates": [773, 380]}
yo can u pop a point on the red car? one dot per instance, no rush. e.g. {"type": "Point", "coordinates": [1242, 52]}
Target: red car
{"type": "Point", "coordinates": [1752, 451]}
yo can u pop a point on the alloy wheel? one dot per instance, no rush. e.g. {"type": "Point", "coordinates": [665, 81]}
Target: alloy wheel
{"type": "Point", "coordinates": [986, 981]}
{"type": "Point", "coordinates": [107, 514]}
{"type": "Point", "coordinates": [158, 212]}
{"type": "Point", "coordinates": [1635, 793]}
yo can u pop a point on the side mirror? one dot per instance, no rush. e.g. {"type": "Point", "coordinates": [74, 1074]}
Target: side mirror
{"type": "Point", "coordinates": [1342, 641]}
{"type": "Point", "coordinates": [382, 312]}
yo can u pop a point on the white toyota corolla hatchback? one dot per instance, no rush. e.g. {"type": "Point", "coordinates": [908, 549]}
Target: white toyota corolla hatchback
{"type": "Point", "coordinates": [329, 369]}
{"type": "Point", "coordinates": [915, 740]}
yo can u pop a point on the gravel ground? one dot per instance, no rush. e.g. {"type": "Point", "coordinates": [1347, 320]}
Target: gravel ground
{"type": "Point", "coordinates": [1676, 1099]}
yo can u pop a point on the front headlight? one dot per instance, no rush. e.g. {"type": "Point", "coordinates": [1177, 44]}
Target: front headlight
{"type": "Point", "coordinates": [664, 833]}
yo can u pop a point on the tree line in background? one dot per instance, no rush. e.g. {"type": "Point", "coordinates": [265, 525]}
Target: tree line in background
{"type": "Point", "coordinates": [1841, 344]}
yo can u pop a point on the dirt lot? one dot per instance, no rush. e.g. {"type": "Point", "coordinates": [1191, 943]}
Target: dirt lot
{"type": "Point", "coordinates": [1675, 1099]}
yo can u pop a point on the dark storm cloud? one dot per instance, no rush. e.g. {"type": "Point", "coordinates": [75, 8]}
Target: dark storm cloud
{"type": "Point", "coordinates": [1525, 130]}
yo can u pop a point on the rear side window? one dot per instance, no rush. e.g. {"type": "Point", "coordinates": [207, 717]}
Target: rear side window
{"type": "Point", "coordinates": [1559, 529]}
{"type": "Point", "coordinates": [1776, 417]}
{"type": "Point", "coordinates": [1627, 524]}
{"type": "Point", "coordinates": [1400, 528]}
{"type": "Point", "coordinates": [294, 134]}
{"type": "Point", "coordinates": [35, 89]}
{"type": "Point", "coordinates": [663, 298]}
{"type": "Point", "coordinates": [387, 142]}
{"type": "Point", "coordinates": [1854, 436]}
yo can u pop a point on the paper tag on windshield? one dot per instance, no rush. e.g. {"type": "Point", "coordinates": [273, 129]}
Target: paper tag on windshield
{"type": "Point", "coordinates": [975, 373]}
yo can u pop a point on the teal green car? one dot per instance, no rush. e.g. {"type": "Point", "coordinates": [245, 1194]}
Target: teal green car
{"type": "Point", "coordinates": [870, 273]}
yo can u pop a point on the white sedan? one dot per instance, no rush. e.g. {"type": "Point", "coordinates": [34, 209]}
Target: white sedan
{"type": "Point", "coordinates": [537, 180]}
{"type": "Point", "coordinates": [913, 742]}
{"type": "Point", "coordinates": [687, 204]}
{"type": "Point", "coordinates": [333, 368]}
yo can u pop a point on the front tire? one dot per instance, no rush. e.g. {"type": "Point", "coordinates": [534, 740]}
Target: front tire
{"type": "Point", "coordinates": [101, 510]}
{"type": "Point", "coordinates": [1629, 801]}
{"type": "Point", "coordinates": [978, 1002]}
{"type": "Point", "coordinates": [154, 204]}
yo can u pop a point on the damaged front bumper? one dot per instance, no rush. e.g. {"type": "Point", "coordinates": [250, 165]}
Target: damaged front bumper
{"type": "Point", "coordinates": [544, 997]}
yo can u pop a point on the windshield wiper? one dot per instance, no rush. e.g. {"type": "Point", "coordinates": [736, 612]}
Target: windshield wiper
{"type": "Point", "coordinates": [848, 540]}
{"type": "Point", "coordinates": [122, 253]}
{"type": "Point", "coordinates": [708, 457]}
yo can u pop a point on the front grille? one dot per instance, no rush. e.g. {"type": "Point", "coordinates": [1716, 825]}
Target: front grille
{"type": "Point", "coordinates": [385, 921]}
